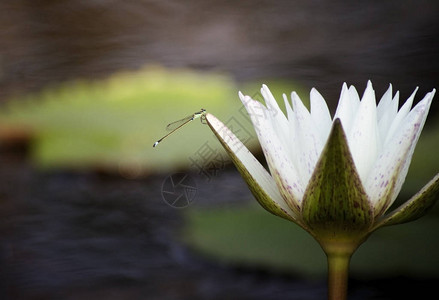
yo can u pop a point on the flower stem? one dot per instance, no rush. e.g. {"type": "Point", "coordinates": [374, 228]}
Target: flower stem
{"type": "Point", "coordinates": [338, 272]}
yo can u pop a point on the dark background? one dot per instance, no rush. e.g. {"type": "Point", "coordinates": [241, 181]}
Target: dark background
{"type": "Point", "coordinates": [317, 43]}
{"type": "Point", "coordinates": [68, 235]}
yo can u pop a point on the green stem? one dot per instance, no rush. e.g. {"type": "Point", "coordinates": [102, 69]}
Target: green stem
{"type": "Point", "coordinates": [338, 272]}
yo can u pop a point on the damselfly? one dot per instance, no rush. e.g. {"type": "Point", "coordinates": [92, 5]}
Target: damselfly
{"type": "Point", "coordinates": [180, 123]}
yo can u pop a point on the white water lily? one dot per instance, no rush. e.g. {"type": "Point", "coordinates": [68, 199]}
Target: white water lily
{"type": "Point", "coordinates": [335, 177]}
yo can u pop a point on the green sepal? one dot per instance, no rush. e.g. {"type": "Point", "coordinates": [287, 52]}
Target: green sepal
{"type": "Point", "coordinates": [335, 205]}
{"type": "Point", "coordinates": [259, 181]}
{"type": "Point", "coordinates": [414, 208]}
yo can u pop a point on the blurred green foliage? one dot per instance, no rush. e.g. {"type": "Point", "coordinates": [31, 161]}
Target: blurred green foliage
{"type": "Point", "coordinates": [425, 162]}
{"type": "Point", "coordinates": [112, 123]}
{"type": "Point", "coordinates": [251, 237]}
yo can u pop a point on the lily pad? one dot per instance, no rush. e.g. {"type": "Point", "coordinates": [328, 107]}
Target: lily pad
{"type": "Point", "coordinates": [113, 123]}
{"type": "Point", "coordinates": [251, 237]}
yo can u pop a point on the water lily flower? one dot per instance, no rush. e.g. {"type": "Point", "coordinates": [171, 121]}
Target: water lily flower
{"type": "Point", "coordinates": [334, 176]}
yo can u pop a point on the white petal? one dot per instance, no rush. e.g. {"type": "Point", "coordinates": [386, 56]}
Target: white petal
{"type": "Point", "coordinates": [308, 140]}
{"type": "Point", "coordinates": [320, 115]}
{"type": "Point", "coordinates": [269, 98]}
{"type": "Point", "coordinates": [388, 118]}
{"type": "Point", "coordinates": [384, 104]}
{"type": "Point", "coordinates": [258, 173]}
{"type": "Point", "coordinates": [292, 146]}
{"type": "Point", "coordinates": [282, 126]}
{"type": "Point", "coordinates": [354, 99]}
{"type": "Point", "coordinates": [275, 114]}
{"type": "Point", "coordinates": [395, 104]}
{"type": "Point", "coordinates": [363, 136]}
{"type": "Point", "coordinates": [276, 153]}
{"type": "Point", "coordinates": [395, 158]}
{"type": "Point", "coordinates": [386, 113]}
{"type": "Point", "coordinates": [417, 118]}
{"type": "Point", "coordinates": [288, 107]}
{"type": "Point", "coordinates": [402, 113]}
{"type": "Point", "coordinates": [344, 110]}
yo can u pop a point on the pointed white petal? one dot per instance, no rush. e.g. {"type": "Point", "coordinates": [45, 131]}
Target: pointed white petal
{"type": "Point", "coordinates": [276, 153]}
{"type": "Point", "coordinates": [385, 114]}
{"type": "Point", "coordinates": [354, 100]}
{"type": "Point", "coordinates": [292, 146]}
{"type": "Point", "coordinates": [290, 113]}
{"type": "Point", "coordinates": [258, 179]}
{"type": "Point", "coordinates": [281, 125]}
{"type": "Point", "coordinates": [384, 104]}
{"type": "Point", "coordinates": [269, 99]}
{"type": "Point", "coordinates": [390, 170]}
{"type": "Point", "coordinates": [308, 141]}
{"type": "Point", "coordinates": [395, 104]}
{"type": "Point", "coordinates": [417, 118]}
{"type": "Point", "coordinates": [388, 117]}
{"type": "Point", "coordinates": [344, 110]}
{"type": "Point", "coordinates": [402, 113]}
{"type": "Point", "coordinates": [364, 134]}
{"type": "Point", "coordinates": [320, 114]}
{"type": "Point", "coordinates": [277, 117]}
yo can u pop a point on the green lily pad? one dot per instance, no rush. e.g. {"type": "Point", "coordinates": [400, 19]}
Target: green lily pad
{"type": "Point", "coordinates": [113, 123]}
{"type": "Point", "coordinates": [251, 237]}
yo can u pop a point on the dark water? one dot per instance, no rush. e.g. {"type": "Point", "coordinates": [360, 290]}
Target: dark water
{"type": "Point", "coordinates": [319, 43]}
{"type": "Point", "coordinates": [66, 235]}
